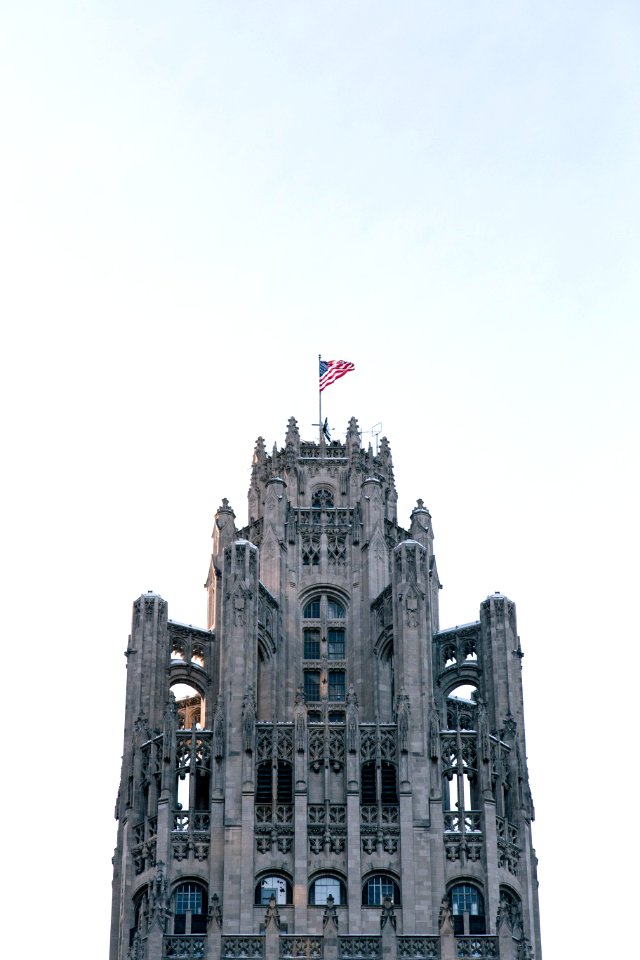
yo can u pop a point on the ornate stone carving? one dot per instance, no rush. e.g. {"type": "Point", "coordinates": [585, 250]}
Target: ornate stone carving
{"type": "Point", "coordinates": [248, 720]}
{"type": "Point", "coordinates": [308, 947]}
{"type": "Point", "coordinates": [242, 948]}
{"type": "Point", "coordinates": [353, 719]}
{"type": "Point", "coordinates": [445, 920]}
{"type": "Point", "coordinates": [300, 721]}
{"type": "Point", "coordinates": [403, 712]}
{"type": "Point", "coordinates": [159, 908]}
{"type": "Point", "coordinates": [330, 914]}
{"type": "Point", "coordinates": [218, 730]}
{"type": "Point", "coordinates": [358, 948]}
{"type": "Point", "coordinates": [215, 911]}
{"type": "Point", "coordinates": [273, 914]}
{"type": "Point", "coordinates": [387, 914]}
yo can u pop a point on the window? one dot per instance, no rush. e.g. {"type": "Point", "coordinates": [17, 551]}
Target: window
{"type": "Point", "coordinates": [324, 887]}
{"type": "Point", "coordinates": [273, 886]}
{"type": "Point", "coordinates": [335, 644]}
{"type": "Point", "coordinates": [190, 909]}
{"type": "Point", "coordinates": [467, 907]}
{"type": "Point", "coordinates": [312, 684]}
{"type": "Point", "coordinates": [267, 790]}
{"type": "Point", "coordinates": [369, 783]}
{"type": "Point", "coordinates": [312, 644]}
{"type": "Point", "coordinates": [312, 610]}
{"type": "Point", "coordinates": [335, 610]}
{"type": "Point", "coordinates": [336, 685]}
{"type": "Point", "coordinates": [377, 888]}
{"type": "Point", "coordinates": [190, 704]}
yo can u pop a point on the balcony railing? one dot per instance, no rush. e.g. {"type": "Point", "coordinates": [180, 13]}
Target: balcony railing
{"type": "Point", "coordinates": [187, 947]}
{"type": "Point", "coordinates": [481, 947]}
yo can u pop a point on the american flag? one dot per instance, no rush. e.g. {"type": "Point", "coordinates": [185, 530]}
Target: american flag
{"type": "Point", "coordinates": [332, 370]}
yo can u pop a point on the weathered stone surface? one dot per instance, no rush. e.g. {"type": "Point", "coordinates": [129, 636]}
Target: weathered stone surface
{"type": "Point", "coordinates": [342, 778]}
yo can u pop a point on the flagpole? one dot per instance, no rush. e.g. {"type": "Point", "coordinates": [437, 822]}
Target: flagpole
{"type": "Point", "coordinates": [319, 401]}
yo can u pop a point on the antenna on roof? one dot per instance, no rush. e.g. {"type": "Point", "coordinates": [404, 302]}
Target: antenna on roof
{"type": "Point", "coordinates": [375, 431]}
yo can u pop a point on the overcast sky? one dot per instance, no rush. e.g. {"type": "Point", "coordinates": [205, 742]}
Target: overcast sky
{"type": "Point", "coordinates": [197, 199]}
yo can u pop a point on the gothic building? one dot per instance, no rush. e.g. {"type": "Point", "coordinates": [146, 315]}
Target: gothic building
{"type": "Point", "coordinates": [324, 771]}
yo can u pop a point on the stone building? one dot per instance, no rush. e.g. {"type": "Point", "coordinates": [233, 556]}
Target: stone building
{"type": "Point", "coordinates": [324, 771]}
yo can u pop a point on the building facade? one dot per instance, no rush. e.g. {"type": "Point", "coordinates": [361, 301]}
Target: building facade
{"type": "Point", "coordinates": [325, 771]}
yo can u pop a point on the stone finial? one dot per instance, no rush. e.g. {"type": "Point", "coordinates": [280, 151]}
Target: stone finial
{"type": "Point", "coordinates": [259, 453]}
{"type": "Point", "coordinates": [293, 434]}
{"type": "Point", "coordinates": [330, 914]}
{"type": "Point", "coordinates": [387, 914]}
{"type": "Point", "coordinates": [273, 914]}
{"type": "Point", "coordinates": [353, 433]}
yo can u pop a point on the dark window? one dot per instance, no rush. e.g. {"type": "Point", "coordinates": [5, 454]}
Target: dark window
{"type": "Point", "coordinates": [263, 782]}
{"type": "Point", "coordinates": [335, 610]}
{"type": "Point", "coordinates": [285, 782]}
{"type": "Point", "coordinates": [335, 645]}
{"type": "Point", "coordinates": [311, 644]}
{"type": "Point", "coordinates": [389, 782]}
{"type": "Point", "coordinates": [368, 793]}
{"type": "Point", "coordinates": [312, 610]}
{"type": "Point", "coordinates": [336, 716]}
{"type": "Point", "coordinates": [312, 684]}
{"type": "Point", "coordinates": [377, 888]}
{"type": "Point", "coordinates": [336, 685]}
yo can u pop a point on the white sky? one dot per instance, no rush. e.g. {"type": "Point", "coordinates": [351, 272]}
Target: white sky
{"type": "Point", "coordinates": [197, 198]}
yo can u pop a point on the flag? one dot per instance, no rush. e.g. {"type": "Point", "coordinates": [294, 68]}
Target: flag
{"type": "Point", "coordinates": [332, 370]}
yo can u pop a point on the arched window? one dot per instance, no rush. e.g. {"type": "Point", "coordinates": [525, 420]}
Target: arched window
{"type": "Point", "coordinates": [467, 907]}
{"type": "Point", "coordinates": [190, 908]}
{"type": "Point", "coordinates": [324, 638]}
{"type": "Point", "coordinates": [190, 704]}
{"type": "Point", "coordinates": [324, 887]}
{"type": "Point", "coordinates": [273, 886]}
{"type": "Point", "coordinates": [378, 888]}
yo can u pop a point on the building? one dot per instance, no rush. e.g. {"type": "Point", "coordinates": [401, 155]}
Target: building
{"type": "Point", "coordinates": [337, 776]}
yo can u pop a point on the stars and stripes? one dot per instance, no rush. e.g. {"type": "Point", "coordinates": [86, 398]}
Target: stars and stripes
{"type": "Point", "coordinates": [332, 370]}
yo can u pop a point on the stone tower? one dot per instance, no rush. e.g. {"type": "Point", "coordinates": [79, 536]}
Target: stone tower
{"type": "Point", "coordinates": [324, 772]}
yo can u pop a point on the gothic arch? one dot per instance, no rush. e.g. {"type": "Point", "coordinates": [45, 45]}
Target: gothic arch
{"type": "Point", "coordinates": [332, 590]}
{"type": "Point", "coordinates": [377, 884]}
{"type": "Point", "coordinates": [283, 887]}
{"type": "Point", "coordinates": [328, 875]}
{"type": "Point", "coordinates": [467, 902]}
